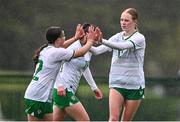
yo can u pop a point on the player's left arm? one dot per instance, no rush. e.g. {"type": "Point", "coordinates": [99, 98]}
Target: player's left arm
{"type": "Point", "coordinates": [78, 34]}
{"type": "Point", "coordinates": [88, 76]}
{"type": "Point", "coordinates": [118, 45]}
{"type": "Point", "coordinates": [135, 42]}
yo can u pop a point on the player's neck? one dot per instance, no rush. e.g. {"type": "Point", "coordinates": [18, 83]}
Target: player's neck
{"type": "Point", "coordinates": [130, 32]}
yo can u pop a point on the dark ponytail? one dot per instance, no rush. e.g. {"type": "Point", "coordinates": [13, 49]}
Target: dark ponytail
{"type": "Point", "coordinates": [37, 52]}
{"type": "Point", "coordinates": [52, 34]}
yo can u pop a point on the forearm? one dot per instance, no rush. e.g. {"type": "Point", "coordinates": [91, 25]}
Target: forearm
{"type": "Point", "coordinates": [69, 42]}
{"type": "Point", "coordinates": [88, 76]}
{"type": "Point", "coordinates": [100, 49]}
{"type": "Point", "coordinates": [118, 45]}
{"type": "Point", "coordinates": [79, 34]}
{"type": "Point", "coordinates": [83, 50]}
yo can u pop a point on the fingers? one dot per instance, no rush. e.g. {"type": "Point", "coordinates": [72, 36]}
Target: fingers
{"type": "Point", "coordinates": [94, 35]}
{"type": "Point", "coordinates": [91, 36]}
{"type": "Point", "coordinates": [78, 27]}
{"type": "Point", "coordinates": [79, 32]}
{"type": "Point", "coordinates": [98, 35]}
{"type": "Point", "coordinates": [82, 32]}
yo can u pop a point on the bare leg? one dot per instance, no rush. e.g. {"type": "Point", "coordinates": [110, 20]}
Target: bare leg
{"type": "Point", "coordinates": [116, 101]}
{"type": "Point", "coordinates": [77, 112]}
{"type": "Point", "coordinates": [130, 108]}
{"type": "Point", "coordinates": [58, 114]}
{"type": "Point", "coordinates": [33, 118]}
{"type": "Point", "coordinates": [48, 117]}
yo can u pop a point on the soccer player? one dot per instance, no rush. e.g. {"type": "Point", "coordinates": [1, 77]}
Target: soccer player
{"type": "Point", "coordinates": [67, 82]}
{"type": "Point", "coordinates": [38, 95]}
{"type": "Point", "coordinates": [126, 77]}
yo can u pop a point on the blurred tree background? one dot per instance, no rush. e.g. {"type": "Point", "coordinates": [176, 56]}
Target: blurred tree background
{"type": "Point", "coordinates": [23, 24]}
{"type": "Point", "coordinates": [22, 28]}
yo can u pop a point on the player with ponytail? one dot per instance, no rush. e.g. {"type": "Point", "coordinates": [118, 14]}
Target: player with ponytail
{"type": "Point", "coordinates": [48, 58]}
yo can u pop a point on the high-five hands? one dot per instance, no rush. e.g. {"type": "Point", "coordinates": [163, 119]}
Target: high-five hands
{"type": "Point", "coordinates": [79, 32]}
{"type": "Point", "coordinates": [99, 37]}
{"type": "Point", "coordinates": [94, 34]}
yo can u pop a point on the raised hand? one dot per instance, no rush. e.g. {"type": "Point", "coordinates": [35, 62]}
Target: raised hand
{"type": "Point", "coordinates": [94, 34]}
{"type": "Point", "coordinates": [99, 36]}
{"type": "Point", "coordinates": [91, 36]}
{"type": "Point", "coordinates": [79, 32]}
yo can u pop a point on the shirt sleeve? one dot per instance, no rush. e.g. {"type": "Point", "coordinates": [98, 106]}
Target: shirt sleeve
{"type": "Point", "coordinates": [138, 42]}
{"type": "Point", "coordinates": [118, 45]}
{"type": "Point", "coordinates": [100, 49]}
{"type": "Point", "coordinates": [61, 84]}
{"type": "Point", "coordinates": [62, 54]}
{"type": "Point", "coordinates": [88, 76]}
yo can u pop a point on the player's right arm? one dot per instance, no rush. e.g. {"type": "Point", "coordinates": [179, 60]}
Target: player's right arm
{"type": "Point", "coordinates": [100, 49]}
{"type": "Point", "coordinates": [92, 37]}
{"type": "Point", "coordinates": [79, 34]}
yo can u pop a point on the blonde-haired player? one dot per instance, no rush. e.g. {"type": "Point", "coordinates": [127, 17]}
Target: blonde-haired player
{"type": "Point", "coordinates": [126, 77]}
